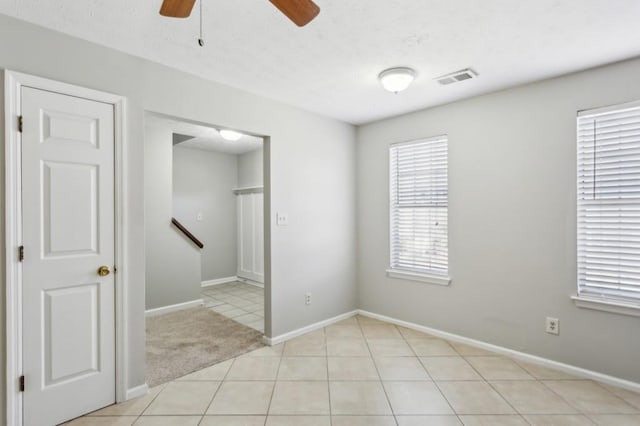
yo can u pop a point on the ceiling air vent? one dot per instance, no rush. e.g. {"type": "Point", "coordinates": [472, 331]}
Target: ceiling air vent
{"type": "Point", "coordinates": [454, 77]}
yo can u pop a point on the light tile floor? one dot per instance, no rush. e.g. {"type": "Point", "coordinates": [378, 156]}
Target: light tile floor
{"type": "Point", "coordinates": [363, 372]}
{"type": "Point", "coordinates": [239, 301]}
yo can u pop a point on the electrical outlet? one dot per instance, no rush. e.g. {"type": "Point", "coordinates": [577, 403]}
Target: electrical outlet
{"type": "Point", "coordinates": [282, 219]}
{"type": "Point", "coordinates": [553, 325]}
{"type": "Point", "coordinates": [307, 299]}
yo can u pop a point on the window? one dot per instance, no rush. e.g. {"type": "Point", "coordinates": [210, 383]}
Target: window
{"type": "Point", "coordinates": [419, 197]}
{"type": "Point", "coordinates": [609, 205]}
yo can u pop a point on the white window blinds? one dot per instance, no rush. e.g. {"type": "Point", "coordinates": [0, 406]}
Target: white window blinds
{"type": "Point", "coordinates": [419, 195]}
{"type": "Point", "coordinates": [609, 203]}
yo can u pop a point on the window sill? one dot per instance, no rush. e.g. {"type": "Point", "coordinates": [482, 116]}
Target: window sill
{"type": "Point", "coordinates": [431, 279]}
{"type": "Point", "coordinates": [612, 306]}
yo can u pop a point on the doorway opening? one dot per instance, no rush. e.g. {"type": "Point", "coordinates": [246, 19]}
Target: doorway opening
{"type": "Point", "coordinates": [205, 289]}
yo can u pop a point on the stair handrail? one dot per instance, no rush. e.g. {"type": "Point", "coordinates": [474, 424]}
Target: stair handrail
{"type": "Point", "coordinates": [186, 232]}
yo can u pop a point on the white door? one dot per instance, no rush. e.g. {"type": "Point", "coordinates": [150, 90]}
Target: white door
{"type": "Point", "coordinates": [68, 234]}
{"type": "Point", "coordinates": [251, 237]}
{"type": "Point", "coordinates": [258, 239]}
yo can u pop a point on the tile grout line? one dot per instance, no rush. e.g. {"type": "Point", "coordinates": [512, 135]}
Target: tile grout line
{"type": "Point", "coordinates": [533, 379]}
{"type": "Point", "coordinates": [164, 386]}
{"type": "Point", "coordinates": [581, 412]}
{"type": "Point", "coordinates": [435, 383]}
{"type": "Point", "coordinates": [275, 382]}
{"type": "Point", "coordinates": [234, 307]}
{"type": "Point", "coordinates": [493, 388]}
{"type": "Point", "coordinates": [515, 410]}
{"type": "Point", "coordinates": [544, 385]}
{"type": "Point", "coordinates": [224, 378]}
{"type": "Point", "coordinates": [386, 395]}
{"type": "Point", "coordinates": [428, 374]}
{"type": "Point", "coordinates": [326, 352]}
{"type": "Point", "coordinates": [464, 357]}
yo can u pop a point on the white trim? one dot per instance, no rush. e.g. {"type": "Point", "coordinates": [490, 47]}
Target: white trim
{"type": "Point", "coordinates": [609, 108]}
{"type": "Point", "coordinates": [248, 190]}
{"type": "Point", "coordinates": [251, 282]}
{"type": "Point", "coordinates": [304, 330]}
{"type": "Point", "coordinates": [14, 81]}
{"type": "Point", "coordinates": [137, 392]}
{"type": "Point", "coordinates": [121, 239]}
{"type": "Point", "coordinates": [431, 279]}
{"type": "Point", "coordinates": [570, 369]}
{"type": "Point", "coordinates": [13, 239]}
{"type": "Point", "coordinates": [219, 281]}
{"type": "Point", "coordinates": [397, 227]}
{"type": "Point", "coordinates": [172, 308]}
{"type": "Point", "coordinates": [607, 305]}
{"type": "Point", "coordinates": [412, 141]}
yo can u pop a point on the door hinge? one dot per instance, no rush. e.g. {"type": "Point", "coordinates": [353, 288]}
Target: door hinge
{"type": "Point", "coordinates": [20, 123]}
{"type": "Point", "coordinates": [21, 253]}
{"type": "Point", "coordinates": [21, 383]}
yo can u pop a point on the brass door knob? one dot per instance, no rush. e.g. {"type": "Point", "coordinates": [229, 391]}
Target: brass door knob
{"type": "Point", "coordinates": [103, 271]}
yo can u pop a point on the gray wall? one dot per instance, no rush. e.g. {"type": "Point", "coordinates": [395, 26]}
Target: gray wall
{"type": "Point", "coordinates": [203, 182]}
{"type": "Point", "coordinates": [172, 261]}
{"type": "Point", "coordinates": [250, 169]}
{"type": "Point", "coordinates": [311, 176]}
{"type": "Point", "coordinates": [512, 222]}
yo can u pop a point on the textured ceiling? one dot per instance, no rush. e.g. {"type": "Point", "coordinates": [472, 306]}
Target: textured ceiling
{"type": "Point", "coordinates": [331, 65]}
{"type": "Point", "coordinates": [203, 137]}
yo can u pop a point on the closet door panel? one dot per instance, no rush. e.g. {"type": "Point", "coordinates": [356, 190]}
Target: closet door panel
{"type": "Point", "coordinates": [258, 246]}
{"type": "Point", "coordinates": [251, 237]}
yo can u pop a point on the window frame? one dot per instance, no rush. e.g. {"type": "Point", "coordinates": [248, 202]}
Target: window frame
{"type": "Point", "coordinates": [607, 302]}
{"type": "Point", "coordinates": [408, 274]}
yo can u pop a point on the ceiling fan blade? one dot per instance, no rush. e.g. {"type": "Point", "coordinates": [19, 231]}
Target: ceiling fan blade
{"type": "Point", "coordinates": [177, 8]}
{"type": "Point", "coordinates": [301, 12]}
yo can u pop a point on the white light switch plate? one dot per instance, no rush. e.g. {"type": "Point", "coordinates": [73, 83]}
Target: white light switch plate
{"type": "Point", "coordinates": [282, 219]}
{"type": "Point", "coordinates": [199, 217]}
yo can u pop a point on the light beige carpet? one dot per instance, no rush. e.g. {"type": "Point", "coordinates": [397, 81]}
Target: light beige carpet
{"type": "Point", "coordinates": [182, 342]}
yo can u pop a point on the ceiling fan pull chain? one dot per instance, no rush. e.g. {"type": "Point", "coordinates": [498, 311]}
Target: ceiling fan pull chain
{"type": "Point", "coordinates": [201, 39]}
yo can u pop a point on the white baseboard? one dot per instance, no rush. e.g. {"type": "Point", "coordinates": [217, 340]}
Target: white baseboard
{"type": "Point", "coordinates": [251, 282]}
{"type": "Point", "coordinates": [569, 369]}
{"type": "Point", "coordinates": [173, 308]}
{"type": "Point", "coordinates": [219, 281]}
{"type": "Point", "coordinates": [304, 330]}
{"type": "Point", "coordinates": [137, 392]}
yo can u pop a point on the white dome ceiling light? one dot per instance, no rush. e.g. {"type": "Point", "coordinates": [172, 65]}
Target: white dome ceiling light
{"type": "Point", "coordinates": [397, 79]}
{"type": "Point", "coordinates": [230, 135]}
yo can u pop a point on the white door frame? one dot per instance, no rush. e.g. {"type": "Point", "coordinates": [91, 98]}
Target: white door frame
{"type": "Point", "coordinates": [13, 83]}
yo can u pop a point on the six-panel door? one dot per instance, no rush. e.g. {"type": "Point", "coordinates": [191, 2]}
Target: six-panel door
{"type": "Point", "coordinates": [68, 233]}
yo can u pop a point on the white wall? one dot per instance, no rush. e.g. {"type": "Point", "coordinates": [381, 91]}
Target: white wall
{"type": "Point", "coordinates": [512, 222]}
{"type": "Point", "coordinates": [172, 261]}
{"type": "Point", "coordinates": [250, 168]}
{"type": "Point", "coordinates": [203, 182]}
{"type": "Point", "coordinates": [311, 175]}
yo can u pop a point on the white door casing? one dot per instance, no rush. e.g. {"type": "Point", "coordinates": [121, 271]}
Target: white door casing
{"type": "Point", "coordinates": [66, 326]}
{"type": "Point", "coordinates": [251, 236]}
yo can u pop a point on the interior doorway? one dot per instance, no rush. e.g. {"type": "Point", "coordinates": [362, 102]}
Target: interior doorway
{"type": "Point", "coordinates": [218, 195]}
{"type": "Point", "coordinates": [210, 265]}
{"type": "Point", "coordinates": [64, 183]}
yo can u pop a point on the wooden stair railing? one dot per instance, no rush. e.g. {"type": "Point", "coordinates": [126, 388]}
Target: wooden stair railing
{"type": "Point", "coordinates": [186, 232]}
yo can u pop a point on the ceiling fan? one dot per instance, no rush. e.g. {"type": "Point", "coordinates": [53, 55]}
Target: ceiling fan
{"type": "Point", "coordinates": [301, 12]}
